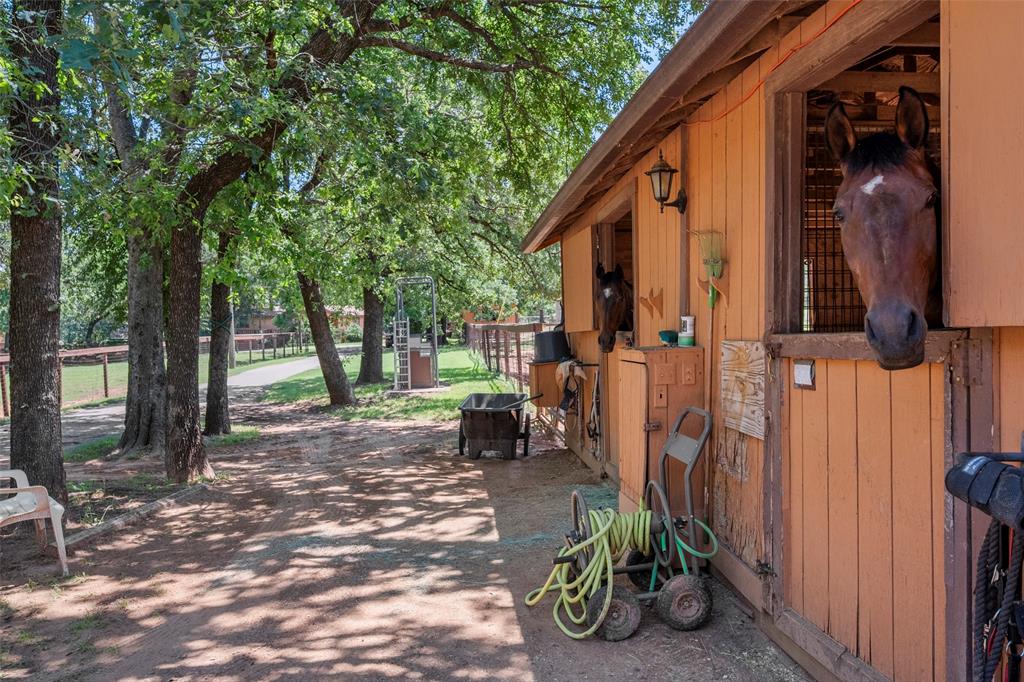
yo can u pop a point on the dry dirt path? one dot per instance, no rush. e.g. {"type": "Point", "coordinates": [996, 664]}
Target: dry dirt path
{"type": "Point", "coordinates": [350, 551]}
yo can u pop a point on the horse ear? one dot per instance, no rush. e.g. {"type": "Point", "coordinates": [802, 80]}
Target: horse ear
{"type": "Point", "coordinates": [839, 135]}
{"type": "Point", "coordinates": [912, 118]}
{"type": "Point", "coordinates": [618, 271]}
{"type": "Point", "coordinates": [600, 270]}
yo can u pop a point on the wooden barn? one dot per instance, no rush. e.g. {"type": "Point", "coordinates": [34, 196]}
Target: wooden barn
{"type": "Point", "coordinates": [824, 476]}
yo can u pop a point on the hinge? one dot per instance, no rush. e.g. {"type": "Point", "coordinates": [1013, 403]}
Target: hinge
{"type": "Point", "coordinates": [652, 426]}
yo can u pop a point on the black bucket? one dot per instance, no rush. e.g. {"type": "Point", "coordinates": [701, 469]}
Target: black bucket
{"type": "Point", "coordinates": [551, 346]}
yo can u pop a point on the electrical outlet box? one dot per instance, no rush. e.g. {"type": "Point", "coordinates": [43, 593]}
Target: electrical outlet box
{"type": "Point", "coordinates": [689, 374]}
{"type": "Point", "coordinates": [664, 374]}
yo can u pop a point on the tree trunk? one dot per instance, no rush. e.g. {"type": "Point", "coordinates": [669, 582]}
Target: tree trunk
{"type": "Point", "coordinates": [218, 420]}
{"type": "Point", "coordinates": [185, 458]}
{"type": "Point", "coordinates": [36, 445]}
{"type": "Point", "coordinates": [145, 412]}
{"type": "Point", "coordinates": [338, 387]}
{"type": "Point", "coordinates": [371, 370]}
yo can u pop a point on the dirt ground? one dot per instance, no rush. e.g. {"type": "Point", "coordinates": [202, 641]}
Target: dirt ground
{"type": "Point", "coordinates": [355, 551]}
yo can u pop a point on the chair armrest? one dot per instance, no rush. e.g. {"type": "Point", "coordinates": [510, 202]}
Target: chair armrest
{"type": "Point", "coordinates": [42, 497]}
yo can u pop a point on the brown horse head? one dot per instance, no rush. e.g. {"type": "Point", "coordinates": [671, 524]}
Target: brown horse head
{"type": "Point", "coordinates": [614, 304]}
{"type": "Point", "coordinates": [887, 211]}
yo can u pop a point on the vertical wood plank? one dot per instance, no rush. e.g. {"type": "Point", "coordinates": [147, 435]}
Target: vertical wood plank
{"type": "Point", "coordinates": [937, 385]}
{"type": "Point", "coordinates": [984, 234]}
{"type": "Point", "coordinates": [874, 505]}
{"type": "Point", "coordinates": [752, 209]}
{"type": "Point", "coordinates": [842, 502]}
{"type": "Point", "coordinates": [912, 523]}
{"type": "Point", "coordinates": [732, 197]}
{"type": "Point", "coordinates": [816, 545]}
{"type": "Point", "coordinates": [793, 555]}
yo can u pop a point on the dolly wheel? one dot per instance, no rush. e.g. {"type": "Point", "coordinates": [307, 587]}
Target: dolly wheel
{"type": "Point", "coordinates": [642, 579]}
{"type": "Point", "coordinates": [623, 617]}
{"type": "Point", "coordinates": [684, 602]}
{"type": "Point", "coordinates": [526, 436]}
{"type": "Point", "coordinates": [462, 442]}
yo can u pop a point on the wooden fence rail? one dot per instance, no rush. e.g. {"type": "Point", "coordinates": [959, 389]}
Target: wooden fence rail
{"type": "Point", "coordinates": [506, 348]}
{"type": "Point", "coordinates": [267, 343]}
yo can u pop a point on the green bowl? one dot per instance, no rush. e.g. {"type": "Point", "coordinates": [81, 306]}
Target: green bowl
{"type": "Point", "coordinates": [669, 336]}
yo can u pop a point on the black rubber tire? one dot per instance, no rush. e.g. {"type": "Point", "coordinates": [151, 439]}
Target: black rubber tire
{"type": "Point", "coordinates": [642, 580]}
{"type": "Point", "coordinates": [462, 441]}
{"type": "Point", "coordinates": [684, 602]}
{"type": "Point", "coordinates": [623, 617]}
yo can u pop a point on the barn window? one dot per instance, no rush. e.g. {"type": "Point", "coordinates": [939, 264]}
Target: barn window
{"type": "Point", "coordinates": [829, 299]}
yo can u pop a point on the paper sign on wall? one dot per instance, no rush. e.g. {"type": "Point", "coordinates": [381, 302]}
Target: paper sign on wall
{"type": "Point", "coordinates": [743, 367]}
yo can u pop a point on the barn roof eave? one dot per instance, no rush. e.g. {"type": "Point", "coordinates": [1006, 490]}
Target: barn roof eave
{"type": "Point", "coordinates": [724, 27]}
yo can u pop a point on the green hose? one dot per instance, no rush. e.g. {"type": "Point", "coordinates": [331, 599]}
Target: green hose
{"type": "Point", "coordinates": [613, 535]}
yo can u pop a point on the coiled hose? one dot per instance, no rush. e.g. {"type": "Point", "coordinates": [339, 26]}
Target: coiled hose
{"type": "Point", "coordinates": [613, 534]}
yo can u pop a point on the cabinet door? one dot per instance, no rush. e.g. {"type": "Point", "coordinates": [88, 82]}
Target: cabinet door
{"type": "Point", "coordinates": [632, 436]}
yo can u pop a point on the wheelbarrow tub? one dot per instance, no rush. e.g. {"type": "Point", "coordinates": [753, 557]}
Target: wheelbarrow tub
{"type": "Point", "coordinates": [494, 422]}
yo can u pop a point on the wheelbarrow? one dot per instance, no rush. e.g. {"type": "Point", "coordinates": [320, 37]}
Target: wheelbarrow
{"type": "Point", "coordinates": [494, 422]}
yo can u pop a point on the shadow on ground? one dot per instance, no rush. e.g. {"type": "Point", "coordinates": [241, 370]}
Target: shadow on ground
{"type": "Point", "coordinates": [357, 551]}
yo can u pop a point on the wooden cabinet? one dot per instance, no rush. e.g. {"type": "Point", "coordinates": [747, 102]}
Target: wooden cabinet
{"type": "Point", "coordinates": [542, 380]}
{"type": "Point", "coordinates": [654, 386]}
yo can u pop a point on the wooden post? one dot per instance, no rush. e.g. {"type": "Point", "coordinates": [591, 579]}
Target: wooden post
{"type": "Point", "coordinates": [486, 350]}
{"type": "Point", "coordinates": [519, 361]}
{"type": "Point", "coordinates": [4, 404]}
{"type": "Point", "coordinates": [106, 377]}
{"type": "Point", "coordinates": [250, 351]}
{"type": "Point", "coordinates": [273, 344]}
{"type": "Point", "coordinates": [497, 352]}
{"type": "Point", "coordinates": [263, 346]}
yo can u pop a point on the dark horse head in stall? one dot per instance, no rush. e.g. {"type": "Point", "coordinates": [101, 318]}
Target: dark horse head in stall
{"type": "Point", "coordinates": [614, 304]}
{"type": "Point", "coordinates": [887, 210]}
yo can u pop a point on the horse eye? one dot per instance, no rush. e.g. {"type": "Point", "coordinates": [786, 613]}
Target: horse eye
{"type": "Point", "coordinates": [838, 215]}
{"type": "Point", "coordinates": [932, 198]}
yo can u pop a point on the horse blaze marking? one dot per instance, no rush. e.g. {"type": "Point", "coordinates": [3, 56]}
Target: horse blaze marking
{"type": "Point", "coordinates": [870, 185]}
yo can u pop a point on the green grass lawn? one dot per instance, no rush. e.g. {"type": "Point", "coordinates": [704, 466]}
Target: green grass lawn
{"type": "Point", "coordinates": [83, 384]}
{"type": "Point", "coordinates": [462, 371]}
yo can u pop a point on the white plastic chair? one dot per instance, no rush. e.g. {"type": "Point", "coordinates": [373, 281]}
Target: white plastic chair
{"type": "Point", "coordinates": [32, 503]}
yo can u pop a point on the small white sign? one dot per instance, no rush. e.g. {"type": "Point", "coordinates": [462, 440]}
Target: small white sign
{"type": "Point", "coordinates": [803, 373]}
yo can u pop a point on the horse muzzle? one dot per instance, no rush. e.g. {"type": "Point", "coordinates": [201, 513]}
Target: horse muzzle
{"type": "Point", "coordinates": [896, 333]}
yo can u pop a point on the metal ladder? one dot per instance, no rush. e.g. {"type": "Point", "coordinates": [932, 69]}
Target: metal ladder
{"type": "Point", "coordinates": [403, 372]}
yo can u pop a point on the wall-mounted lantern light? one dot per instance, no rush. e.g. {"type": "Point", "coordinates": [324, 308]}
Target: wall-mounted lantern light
{"type": "Point", "coordinates": [661, 183]}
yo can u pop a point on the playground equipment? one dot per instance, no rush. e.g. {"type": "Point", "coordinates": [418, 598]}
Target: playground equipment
{"type": "Point", "coordinates": [585, 567]}
{"type": "Point", "coordinates": [415, 358]}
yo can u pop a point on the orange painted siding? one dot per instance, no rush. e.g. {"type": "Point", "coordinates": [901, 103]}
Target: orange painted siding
{"type": "Point", "coordinates": [578, 279]}
{"type": "Point", "coordinates": [985, 137]}
{"type": "Point", "coordinates": [863, 564]}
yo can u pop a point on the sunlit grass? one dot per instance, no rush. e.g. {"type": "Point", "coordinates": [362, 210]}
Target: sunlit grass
{"type": "Point", "coordinates": [461, 370]}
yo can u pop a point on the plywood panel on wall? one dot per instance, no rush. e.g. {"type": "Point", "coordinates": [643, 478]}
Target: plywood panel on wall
{"type": "Point", "coordinates": [981, 44]}
{"type": "Point", "coordinates": [863, 511]}
{"type": "Point", "coordinates": [578, 279]}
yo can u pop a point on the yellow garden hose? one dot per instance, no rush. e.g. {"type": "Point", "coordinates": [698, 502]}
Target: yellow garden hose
{"type": "Point", "coordinates": [613, 534]}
